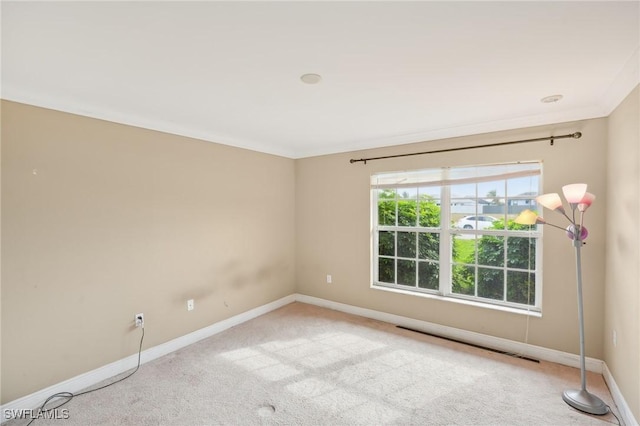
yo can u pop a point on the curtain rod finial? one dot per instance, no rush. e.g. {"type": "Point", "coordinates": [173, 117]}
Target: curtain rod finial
{"type": "Point", "coordinates": [577, 135]}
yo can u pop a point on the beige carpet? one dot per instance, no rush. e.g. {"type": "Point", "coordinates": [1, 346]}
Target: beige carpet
{"type": "Point", "coordinates": [304, 365]}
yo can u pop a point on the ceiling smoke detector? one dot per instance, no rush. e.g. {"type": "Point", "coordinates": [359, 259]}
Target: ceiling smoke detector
{"type": "Point", "coordinates": [551, 99]}
{"type": "Point", "coordinates": [310, 78]}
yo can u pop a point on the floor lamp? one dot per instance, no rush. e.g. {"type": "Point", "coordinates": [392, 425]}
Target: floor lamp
{"type": "Point", "coordinates": [579, 200]}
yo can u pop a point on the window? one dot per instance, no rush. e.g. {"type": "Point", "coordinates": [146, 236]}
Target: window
{"type": "Point", "coordinates": [450, 232]}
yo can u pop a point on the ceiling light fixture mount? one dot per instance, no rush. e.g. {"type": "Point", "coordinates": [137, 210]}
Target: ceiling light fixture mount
{"type": "Point", "coordinates": [551, 99]}
{"type": "Point", "coordinates": [311, 78]}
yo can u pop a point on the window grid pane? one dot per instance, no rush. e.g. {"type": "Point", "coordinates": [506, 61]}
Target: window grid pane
{"type": "Point", "coordinates": [407, 272]}
{"type": "Point", "coordinates": [428, 275]}
{"type": "Point", "coordinates": [463, 280]}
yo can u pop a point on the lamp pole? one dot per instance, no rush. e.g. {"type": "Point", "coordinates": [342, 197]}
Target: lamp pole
{"type": "Point", "coordinates": [582, 399]}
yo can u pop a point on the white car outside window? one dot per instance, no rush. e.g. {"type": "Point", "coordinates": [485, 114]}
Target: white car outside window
{"type": "Point", "coordinates": [475, 222]}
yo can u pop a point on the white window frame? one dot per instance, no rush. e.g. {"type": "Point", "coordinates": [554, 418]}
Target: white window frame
{"type": "Point", "coordinates": [446, 232]}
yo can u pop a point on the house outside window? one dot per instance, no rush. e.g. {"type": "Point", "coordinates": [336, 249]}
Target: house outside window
{"type": "Point", "coordinates": [450, 232]}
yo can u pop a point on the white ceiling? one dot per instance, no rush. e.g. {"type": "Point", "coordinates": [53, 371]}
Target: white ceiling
{"type": "Point", "coordinates": [392, 72]}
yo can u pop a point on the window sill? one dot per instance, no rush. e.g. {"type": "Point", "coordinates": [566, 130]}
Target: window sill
{"type": "Point", "coordinates": [533, 312]}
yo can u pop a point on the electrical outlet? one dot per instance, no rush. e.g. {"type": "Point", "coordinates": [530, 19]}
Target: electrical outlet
{"type": "Point", "coordinates": [329, 279]}
{"type": "Point", "coordinates": [190, 305]}
{"type": "Point", "coordinates": [139, 318]}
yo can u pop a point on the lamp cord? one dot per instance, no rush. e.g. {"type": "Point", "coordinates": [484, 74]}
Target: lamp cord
{"type": "Point", "coordinates": [526, 335]}
{"type": "Point", "coordinates": [526, 330]}
{"type": "Point", "coordinates": [69, 395]}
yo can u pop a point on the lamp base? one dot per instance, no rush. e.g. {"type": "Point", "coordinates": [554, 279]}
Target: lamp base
{"type": "Point", "coordinates": [584, 401]}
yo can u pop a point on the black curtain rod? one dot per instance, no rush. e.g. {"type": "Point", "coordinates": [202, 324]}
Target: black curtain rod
{"type": "Point", "coordinates": [576, 135]}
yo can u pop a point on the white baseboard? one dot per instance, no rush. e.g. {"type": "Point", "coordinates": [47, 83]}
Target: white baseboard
{"type": "Point", "coordinates": [82, 381]}
{"type": "Point", "coordinates": [625, 412]}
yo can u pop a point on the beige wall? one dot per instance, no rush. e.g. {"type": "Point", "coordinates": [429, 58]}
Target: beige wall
{"type": "Point", "coordinates": [333, 235]}
{"type": "Point", "coordinates": [622, 304]}
{"type": "Point", "coordinates": [101, 221]}
{"type": "Point", "coordinates": [1, 104]}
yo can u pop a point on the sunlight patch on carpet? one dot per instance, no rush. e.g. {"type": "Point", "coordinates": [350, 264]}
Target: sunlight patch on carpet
{"type": "Point", "coordinates": [265, 366]}
{"type": "Point", "coordinates": [406, 379]}
{"type": "Point", "coordinates": [384, 381]}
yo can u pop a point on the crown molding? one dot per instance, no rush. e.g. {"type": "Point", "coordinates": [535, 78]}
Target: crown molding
{"type": "Point", "coordinates": [470, 129]}
{"type": "Point", "coordinates": [100, 113]}
{"type": "Point", "coordinates": [624, 83]}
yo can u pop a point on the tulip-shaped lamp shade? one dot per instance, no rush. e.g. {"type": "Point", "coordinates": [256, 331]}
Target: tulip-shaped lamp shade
{"type": "Point", "coordinates": [528, 217]}
{"type": "Point", "coordinates": [586, 201]}
{"type": "Point", "coordinates": [575, 192]}
{"type": "Point", "coordinates": [551, 201]}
